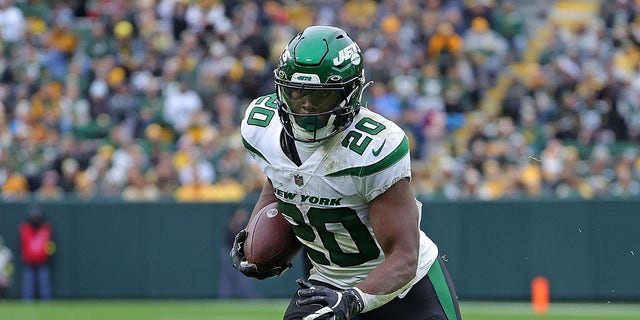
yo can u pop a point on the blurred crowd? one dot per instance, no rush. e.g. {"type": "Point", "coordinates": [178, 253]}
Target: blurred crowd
{"type": "Point", "coordinates": [142, 100]}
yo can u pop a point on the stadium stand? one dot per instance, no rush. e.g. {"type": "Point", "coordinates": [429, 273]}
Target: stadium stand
{"type": "Point", "coordinates": [140, 100]}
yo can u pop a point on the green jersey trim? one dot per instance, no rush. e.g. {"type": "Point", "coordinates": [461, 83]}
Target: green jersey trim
{"type": "Point", "coordinates": [396, 155]}
{"type": "Point", "coordinates": [253, 150]}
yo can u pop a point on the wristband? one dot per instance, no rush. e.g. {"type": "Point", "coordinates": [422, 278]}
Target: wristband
{"type": "Point", "coordinates": [357, 296]}
{"type": "Point", "coordinates": [372, 301]}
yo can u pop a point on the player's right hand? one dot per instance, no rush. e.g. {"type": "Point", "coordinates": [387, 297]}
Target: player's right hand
{"type": "Point", "coordinates": [335, 304]}
{"type": "Point", "coordinates": [247, 268]}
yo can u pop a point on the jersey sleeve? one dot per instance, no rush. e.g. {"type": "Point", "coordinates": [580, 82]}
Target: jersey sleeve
{"type": "Point", "coordinates": [389, 167]}
{"type": "Point", "coordinates": [259, 125]}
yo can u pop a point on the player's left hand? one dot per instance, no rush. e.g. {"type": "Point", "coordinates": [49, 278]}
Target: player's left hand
{"type": "Point", "coordinates": [335, 304]}
{"type": "Point", "coordinates": [247, 268]}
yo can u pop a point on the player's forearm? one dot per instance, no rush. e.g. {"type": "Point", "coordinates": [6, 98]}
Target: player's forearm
{"type": "Point", "coordinates": [266, 197]}
{"type": "Point", "coordinates": [398, 269]}
{"type": "Point", "coordinates": [388, 279]}
{"type": "Point", "coordinates": [394, 218]}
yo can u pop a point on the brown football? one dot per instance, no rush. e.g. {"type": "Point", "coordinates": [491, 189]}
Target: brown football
{"type": "Point", "coordinates": [270, 239]}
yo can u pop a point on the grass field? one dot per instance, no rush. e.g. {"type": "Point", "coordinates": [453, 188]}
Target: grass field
{"type": "Point", "coordinates": [272, 309]}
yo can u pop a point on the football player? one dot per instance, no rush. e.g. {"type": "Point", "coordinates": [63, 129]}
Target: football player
{"type": "Point", "coordinates": [340, 174]}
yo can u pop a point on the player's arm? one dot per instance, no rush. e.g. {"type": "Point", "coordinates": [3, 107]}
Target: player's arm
{"type": "Point", "coordinates": [237, 250]}
{"type": "Point", "coordinates": [267, 196]}
{"type": "Point", "coordinates": [394, 218]}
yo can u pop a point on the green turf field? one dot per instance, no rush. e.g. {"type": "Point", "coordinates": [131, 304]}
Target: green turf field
{"type": "Point", "coordinates": [269, 310]}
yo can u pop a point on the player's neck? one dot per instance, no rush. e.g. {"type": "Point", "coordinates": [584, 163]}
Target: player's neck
{"type": "Point", "coordinates": [289, 148]}
{"type": "Point", "coordinates": [306, 149]}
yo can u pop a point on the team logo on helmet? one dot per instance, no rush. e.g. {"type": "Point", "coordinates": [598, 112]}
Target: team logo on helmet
{"type": "Point", "coordinates": [348, 53]}
{"type": "Point", "coordinates": [305, 78]}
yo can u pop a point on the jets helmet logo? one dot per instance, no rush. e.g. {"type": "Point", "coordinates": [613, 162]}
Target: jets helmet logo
{"type": "Point", "coordinates": [351, 53]}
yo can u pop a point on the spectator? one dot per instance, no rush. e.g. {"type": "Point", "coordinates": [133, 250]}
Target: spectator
{"type": "Point", "coordinates": [164, 175]}
{"type": "Point", "coordinates": [129, 49]}
{"type": "Point", "coordinates": [70, 169]}
{"type": "Point", "coordinates": [359, 13]}
{"type": "Point", "coordinates": [445, 46]}
{"type": "Point", "coordinates": [197, 166]}
{"type": "Point", "coordinates": [531, 179]}
{"type": "Point", "coordinates": [227, 190]}
{"type": "Point", "coordinates": [180, 106]}
{"type": "Point", "coordinates": [510, 24]}
{"type": "Point", "coordinates": [486, 49]}
{"type": "Point", "coordinates": [123, 108]}
{"type": "Point", "coordinates": [69, 149]}
{"type": "Point", "coordinates": [159, 72]}
{"type": "Point", "coordinates": [624, 185]}
{"type": "Point", "coordinates": [36, 248]}
{"type": "Point", "coordinates": [233, 284]}
{"type": "Point", "coordinates": [61, 42]}
{"type": "Point", "coordinates": [138, 187]}
{"type": "Point", "coordinates": [12, 22]}
{"type": "Point", "coordinates": [49, 189]}
{"type": "Point", "coordinates": [101, 43]}
{"type": "Point", "coordinates": [6, 268]}
{"type": "Point", "coordinates": [74, 111]}
{"type": "Point", "coordinates": [601, 172]}
{"type": "Point", "coordinates": [151, 103]}
{"type": "Point", "coordinates": [552, 161]}
{"type": "Point", "coordinates": [385, 102]}
{"type": "Point", "coordinates": [85, 188]}
{"type": "Point", "coordinates": [45, 105]}
{"type": "Point", "coordinates": [195, 190]}
{"type": "Point", "coordinates": [15, 188]}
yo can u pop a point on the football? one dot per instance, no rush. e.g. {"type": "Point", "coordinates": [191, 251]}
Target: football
{"type": "Point", "coordinates": [270, 239]}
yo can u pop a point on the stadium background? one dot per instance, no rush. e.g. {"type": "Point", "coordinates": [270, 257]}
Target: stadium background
{"type": "Point", "coordinates": [523, 115]}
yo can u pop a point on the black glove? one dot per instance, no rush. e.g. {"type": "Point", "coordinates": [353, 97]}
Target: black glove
{"type": "Point", "coordinates": [336, 304]}
{"type": "Point", "coordinates": [247, 268]}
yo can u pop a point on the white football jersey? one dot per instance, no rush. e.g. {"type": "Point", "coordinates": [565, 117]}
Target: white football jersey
{"type": "Point", "coordinates": [327, 198]}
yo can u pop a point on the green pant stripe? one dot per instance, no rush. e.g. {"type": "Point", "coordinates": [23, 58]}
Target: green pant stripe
{"type": "Point", "coordinates": [442, 290]}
